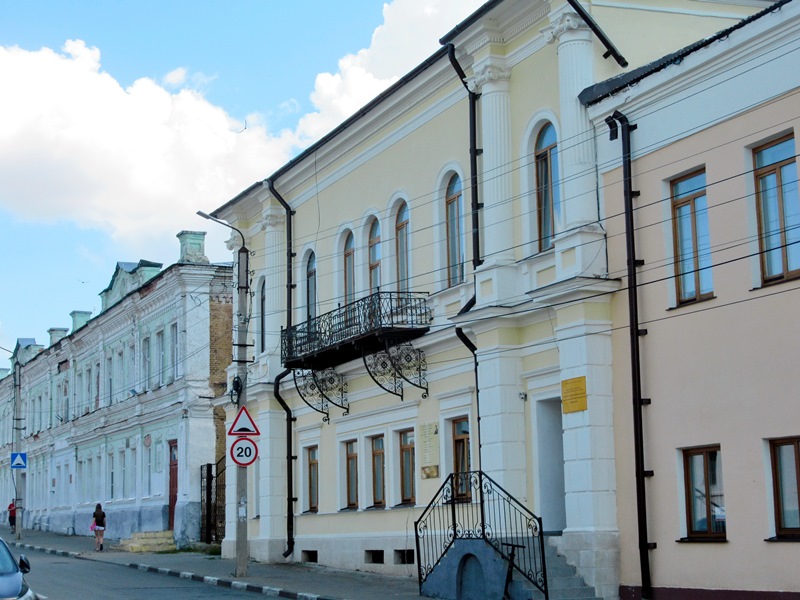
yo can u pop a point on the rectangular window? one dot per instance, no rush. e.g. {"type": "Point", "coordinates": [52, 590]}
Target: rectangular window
{"type": "Point", "coordinates": [123, 478]}
{"type": "Point", "coordinates": [110, 376]}
{"type": "Point", "coordinates": [313, 478]}
{"type": "Point", "coordinates": [378, 467]}
{"type": "Point", "coordinates": [407, 467]}
{"type": "Point", "coordinates": [110, 476]}
{"type": "Point", "coordinates": [351, 457]}
{"type": "Point", "coordinates": [148, 475]}
{"type": "Point", "coordinates": [785, 454]}
{"type": "Point", "coordinates": [705, 500]}
{"type": "Point", "coordinates": [160, 358]}
{"type": "Point", "coordinates": [778, 210]}
{"type": "Point", "coordinates": [146, 372]}
{"type": "Point", "coordinates": [173, 335]}
{"type": "Point", "coordinates": [691, 238]}
{"type": "Point", "coordinates": [461, 458]}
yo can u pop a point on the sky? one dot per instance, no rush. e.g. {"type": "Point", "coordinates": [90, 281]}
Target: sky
{"type": "Point", "coordinates": [120, 119]}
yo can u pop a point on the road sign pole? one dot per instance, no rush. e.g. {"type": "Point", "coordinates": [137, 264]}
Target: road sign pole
{"type": "Point", "coordinates": [242, 548]}
{"type": "Point", "coordinates": [17, 441]}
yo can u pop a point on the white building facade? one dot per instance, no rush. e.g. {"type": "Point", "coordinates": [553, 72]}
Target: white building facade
{"type": "Point", "coordinates": [118, 410]}
{"type": "Point", "coordinates": [432, 300]}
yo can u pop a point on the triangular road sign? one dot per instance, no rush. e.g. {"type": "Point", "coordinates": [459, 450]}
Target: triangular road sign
{"type": "Point", "coordinates": [243, 424]}
{"type": "Point", "coordinates": [19, 460]}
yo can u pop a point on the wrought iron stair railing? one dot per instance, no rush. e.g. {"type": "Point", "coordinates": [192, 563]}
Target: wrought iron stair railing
{"type": "Point", "coordinates": [471, 505]}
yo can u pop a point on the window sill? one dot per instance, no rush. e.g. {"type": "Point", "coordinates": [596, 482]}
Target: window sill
{"type": "Point", "coordinates": [349, 509]}
{"type": "Point", "coordinates": [695, 302]}
{"type": "Point", "coordinates": [784, 538]}
{"type": "Point", "coordinates": [405, 505]}
{"type": "Point", "coordinates": [309, 512]}
{"type": "Point", "coordinates": [773, 282]}
{"type": "Point", "coordinates": [699, 540]}
{"type": "Point", "coordinates": [376, 507]}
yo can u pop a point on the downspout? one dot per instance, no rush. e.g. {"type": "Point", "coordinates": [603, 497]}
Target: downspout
{"type": "Point", "coordinates": [474, 152]}
{"type": "Point", "coordinates": [635, 333]}
{"type": "Point", "coordinates": [290, 499]}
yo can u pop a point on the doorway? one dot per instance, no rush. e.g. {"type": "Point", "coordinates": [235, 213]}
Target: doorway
{"type": "Point", "coordinates": [550, 464]}
{"type": "Point", "coordinates": [173, 481]}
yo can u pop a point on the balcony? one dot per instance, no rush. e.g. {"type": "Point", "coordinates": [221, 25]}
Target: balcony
{"type": "Point", "coordinates": [363, 327]}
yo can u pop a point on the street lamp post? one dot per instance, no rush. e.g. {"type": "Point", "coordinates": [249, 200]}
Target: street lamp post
{"type": "Point", "coordinates": [242, 268]}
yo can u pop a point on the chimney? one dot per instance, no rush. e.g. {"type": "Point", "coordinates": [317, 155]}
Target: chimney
{"type": "Point", "coordinates": [80, 318]}
{"type": "Point", "coordinates": [193, 247]}
{"type": "Point", "coordinates": [57, 333]}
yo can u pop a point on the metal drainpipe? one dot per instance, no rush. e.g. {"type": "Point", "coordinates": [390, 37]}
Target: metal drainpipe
{"type": "Point", "coordinates": [635, 333]}
{"type": "Point", "coordinates": [474, 152]}
{"type": "Point", "coordinates": [290, 499]}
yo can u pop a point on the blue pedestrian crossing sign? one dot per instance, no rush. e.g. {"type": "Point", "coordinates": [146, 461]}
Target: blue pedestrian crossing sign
{"type": "Point", "coordinates": [19, 460]}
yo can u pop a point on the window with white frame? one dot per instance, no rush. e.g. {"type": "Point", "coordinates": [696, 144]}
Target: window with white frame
{"type": "Point", "coordinates": [351, 473]}
{"type": "Point", "coordinates": [378, 471]}
{"type": "Point", "coordinates": [311, 287]}
{"type": "Point", "coordinates": [548, 193]}
{"type": "Point", "coordinates": [402, 248]}
{"type": "Point", "coordinates": [407, 483]}
{"type": "Point", "coordinates": [349, 268]}
{"type": "Point", "coordinates": [778, 210]}
{"type": "Point", "coordinates": [706, 516]}
{"type": "Point", "coordinates": [146, 366]}
{"type": "Point", "coordinates": [374, 256]}
{"type": "Point", "coordinates": [691, 238]}
{"type": "Point", "coordinates": [453, 215]}
{"type": "Point", "coordinates": [174, 349]}
{"type": "Point", "coordinates": [160, 357]}
{"type": "Point", "coordinates": [785, 460]}
{"type": "Point", "coordinates": [312, 478]}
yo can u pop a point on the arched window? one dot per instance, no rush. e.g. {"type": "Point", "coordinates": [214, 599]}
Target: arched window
{"type": "Point", "coordinates": [262, 316]}
{"type": "Point", "coordinates": [374, 256]}
{"type": "Point", "coordinates": [311, 287]}
{"type": "Point", "coordinates": [349, 268]}
{"type": "Point", "coordinates": [401, 231]}
{"type": "Point", "coordinates": [455, 256]}
{"type": "Point", "coordinates": [548, 194]}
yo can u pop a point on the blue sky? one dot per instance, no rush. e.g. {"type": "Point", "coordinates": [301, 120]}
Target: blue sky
{"type": "Point", "coordinates": [123, 118]}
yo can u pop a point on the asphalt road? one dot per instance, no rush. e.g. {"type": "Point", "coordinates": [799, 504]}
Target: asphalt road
{"type": "Point", "coordinates": [66, 578]}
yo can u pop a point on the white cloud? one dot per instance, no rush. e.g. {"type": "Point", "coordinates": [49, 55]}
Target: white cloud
{"type": "Point", "coordinates": [139, 161]}
{"type": "Point", "coordinates": [175, 77]}
{"type": "Point", "coordinates": [409, 34]}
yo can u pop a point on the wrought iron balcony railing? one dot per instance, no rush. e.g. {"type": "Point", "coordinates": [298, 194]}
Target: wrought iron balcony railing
{"type": "Point", "coordinates": [362, 327]}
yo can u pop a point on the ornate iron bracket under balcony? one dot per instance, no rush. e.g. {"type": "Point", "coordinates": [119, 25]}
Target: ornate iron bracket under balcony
{"type": "Point", "coordinates": [390, 367]}
{"type": "Point", "coordinates": [320, 389]}
{"type": "Point", "coordinates": [367, 326]}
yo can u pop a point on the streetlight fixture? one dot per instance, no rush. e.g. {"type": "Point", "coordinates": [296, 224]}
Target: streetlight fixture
{"type": "Point", "coordinates": [243, 287]}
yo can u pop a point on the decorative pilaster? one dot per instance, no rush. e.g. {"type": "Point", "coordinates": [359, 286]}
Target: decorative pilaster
{"type": "Point", "coordinates": [492, 82]}
{"type": "Point", "coordinates": [274, 226]}
{"type": "Point", "coordinates": [575, 73]}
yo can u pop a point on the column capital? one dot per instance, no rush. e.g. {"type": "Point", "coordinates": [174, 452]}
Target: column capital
{"type": "Point", "coordinates": [487, 74]}
{"type": "Point", "coordinates": [564, 23]}
{"type": "Point", "coordinates": [272, 218]}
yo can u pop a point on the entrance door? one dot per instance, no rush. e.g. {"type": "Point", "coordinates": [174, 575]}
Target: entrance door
{"type": "Point", "coordinates": [550, 447]}
{"type": "Point", "coordinates": [173, 481]}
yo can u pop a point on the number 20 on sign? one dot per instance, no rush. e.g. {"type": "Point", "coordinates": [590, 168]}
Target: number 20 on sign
{"type": "Point", "coordinates": [244, 451]}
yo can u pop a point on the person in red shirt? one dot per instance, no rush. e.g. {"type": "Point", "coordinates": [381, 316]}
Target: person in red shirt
{"type": "Point", "coordinates": [12, 516]}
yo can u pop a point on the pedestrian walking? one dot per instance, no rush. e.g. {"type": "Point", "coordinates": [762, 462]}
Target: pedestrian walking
{"type": "Point", "coordinates": [99, 525]}
{"type": "Point", "coordinates": [12, 516]}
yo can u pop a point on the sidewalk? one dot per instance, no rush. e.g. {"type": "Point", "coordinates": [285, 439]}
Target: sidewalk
{"type": "Point", "coordinates": [303, 581]}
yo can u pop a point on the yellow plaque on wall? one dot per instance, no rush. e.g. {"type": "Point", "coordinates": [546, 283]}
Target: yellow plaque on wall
{"type": "Point", "coordinates": [573, 395]}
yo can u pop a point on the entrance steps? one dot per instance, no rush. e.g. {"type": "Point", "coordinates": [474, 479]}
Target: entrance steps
{"type": "Point", "coordinates": [149, 541]}
{"type": "Point", "coordinates": [563, 581]}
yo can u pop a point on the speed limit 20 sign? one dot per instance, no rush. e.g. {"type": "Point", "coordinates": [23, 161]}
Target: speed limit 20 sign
{"type": "Point", "coordinates": [244, 451]}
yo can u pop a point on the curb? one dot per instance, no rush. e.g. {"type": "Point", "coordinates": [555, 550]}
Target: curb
{"type": "Point", "coordinates": [264, 590]}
